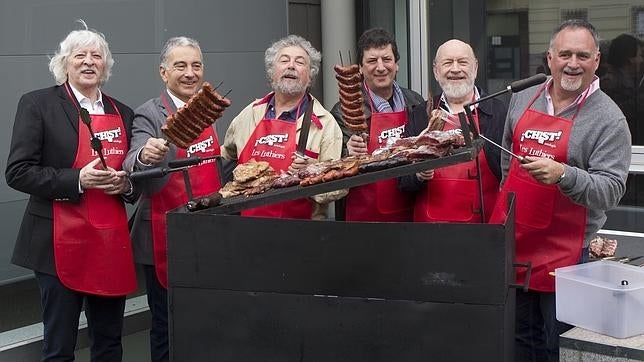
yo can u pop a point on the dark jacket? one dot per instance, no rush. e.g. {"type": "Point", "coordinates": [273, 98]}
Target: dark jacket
{"type": "Point", "coordinates": [43, 149]}
{"type": "Point", "coordinates": [412, 101]}
{"type": "Point", "coordinates": [491, 115]}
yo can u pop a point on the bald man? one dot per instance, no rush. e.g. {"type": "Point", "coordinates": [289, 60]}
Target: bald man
{"type": "Point", "coordinates": [450, 194]}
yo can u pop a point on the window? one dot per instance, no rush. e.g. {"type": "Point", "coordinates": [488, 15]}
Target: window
{"type": "Point", "coordinates": [637, 21]}
{"type": "Point", "coordinates": [567, 14]}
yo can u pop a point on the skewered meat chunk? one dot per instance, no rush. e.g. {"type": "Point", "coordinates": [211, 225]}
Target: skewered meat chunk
{"type": "Point", "coordinates": [436, 122]}
{"type": "Point", "coordinates": [349, 80]}
{"type": "Point", "coordinates": [346, 71]}
{"type": "Point", "coordinates": [350, 96]}
{"type": "Point", "coordinates": [351, 101]}
{"type": "Point", "coordinates": [200, 112]}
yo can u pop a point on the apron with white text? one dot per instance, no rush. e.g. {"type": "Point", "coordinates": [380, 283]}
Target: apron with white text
{"type": "Point", "coordinates": [204, 180]}
{"type": "Point", "coordinates": [550, 228]}
{"type": "Point", "coordinates": [92, 246]}
{"type": "Point", "coordinates": [262, 147]}
{"type": "Point", "coordinates": [381, 201]}
{"type": "Point", "coordinates": [452, 195]}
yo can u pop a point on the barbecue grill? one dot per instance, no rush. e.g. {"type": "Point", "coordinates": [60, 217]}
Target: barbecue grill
{"type": "Point", "coordinates": [262, 289]}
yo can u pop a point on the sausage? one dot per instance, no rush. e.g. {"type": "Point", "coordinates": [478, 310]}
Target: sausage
{"type": "Point", "coordinates": [181, 124]}
{"type": "Point", "coordinates": [346, 71]}
{"type": "Point", "coordinates": [205, 113]}
{"type": "Point", "coordinates": [198, 120]}
{"type": "Point", "coordinates": [351, 112]}
{"type": "Point", "coordinates": [350, 96]}
{"type": "Point", "coordinates": [215, 97]}
{"type": "Point", "coordinates": [351, 104]}
{"type": "Point", "coordinates": [175, 137]}
{"type": "Point", "coordinates": [192, 121]}
{"type": "Point", "coordinates": [357, 128]}
{"type": "Point", "coordinates": [352, 79]}
{"type": "Point", "coordinates": [350, 88]}
{"type": "Point", "coordinates": [355, 120]}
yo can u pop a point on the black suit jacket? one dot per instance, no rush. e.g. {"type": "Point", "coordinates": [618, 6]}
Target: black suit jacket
{"type": "Point", "coordinates": [491, 115]}
{"type": "Point", "coordinates": [43, 149]}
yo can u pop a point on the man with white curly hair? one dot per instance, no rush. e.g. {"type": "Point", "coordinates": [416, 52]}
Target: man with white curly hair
{"type": "Point", "coordinates": [291, 67]}
{"type": "Point", "coordinates": [74, 233]}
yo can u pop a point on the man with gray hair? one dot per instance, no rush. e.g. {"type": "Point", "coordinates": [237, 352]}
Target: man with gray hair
{"type": "Point", "coordinates": [66, 152]}
{"type": "Point", "coordinates": [578, 148]}
{"type": "Point", "coordinates": [181, 68]}
{"type": "Point", "coordinates": [291, 67]}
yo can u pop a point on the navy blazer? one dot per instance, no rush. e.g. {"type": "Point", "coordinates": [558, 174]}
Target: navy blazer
{"type": "Point", "coordinates": [43, 149]}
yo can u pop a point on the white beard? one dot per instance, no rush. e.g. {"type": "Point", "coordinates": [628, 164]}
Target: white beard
{"type": "Point", "coordinates": [571, 85]}
{"type": "Point", "coordinates": [458, 90]}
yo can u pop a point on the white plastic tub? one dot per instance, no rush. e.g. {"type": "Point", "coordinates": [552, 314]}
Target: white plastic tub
{"type": "Point", "coordinates": [606, 297]}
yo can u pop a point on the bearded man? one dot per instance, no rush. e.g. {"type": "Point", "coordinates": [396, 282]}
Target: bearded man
{"type": "Point", "coordinates": [291, 66]}
{"type": "Point", "coordinates": [450, 194]}
{"type": "Point", "coordinates": [577, 146]}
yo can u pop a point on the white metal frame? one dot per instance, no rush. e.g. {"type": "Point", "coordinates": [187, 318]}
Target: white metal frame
{"type": "Point", "coordinates": [420, 64]}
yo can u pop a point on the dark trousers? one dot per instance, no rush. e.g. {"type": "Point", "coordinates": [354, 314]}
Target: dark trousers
{"type": "Point", "coordinates": [158, 303]}
{"type": "Point", "coordinates": [537, 329]}
{"type": "Point", "coordinates": [61, 308]}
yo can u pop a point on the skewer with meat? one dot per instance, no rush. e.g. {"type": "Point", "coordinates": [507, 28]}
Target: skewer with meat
{"type": "Point", "coordinates": [351, 101]}
{"type": "Point", "coordinates": [200, 112]}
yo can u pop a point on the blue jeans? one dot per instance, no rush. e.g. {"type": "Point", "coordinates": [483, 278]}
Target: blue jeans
{"type": "Point", "coordinates": [61, 308]}
{"type": "Point", "coordinates": [537, 329]}
{"type": "Point", "coordinates": [158, 303]}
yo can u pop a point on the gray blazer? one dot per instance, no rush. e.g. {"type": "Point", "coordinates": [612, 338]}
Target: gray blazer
{"type": "Point", "coordinates": [148, 119]}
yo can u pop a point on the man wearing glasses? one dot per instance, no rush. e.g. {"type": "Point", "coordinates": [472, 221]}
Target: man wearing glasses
{"type": "Point", "coordinates": [181, 69]}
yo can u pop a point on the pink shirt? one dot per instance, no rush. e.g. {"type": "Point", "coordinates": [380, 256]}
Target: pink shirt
{"type": "Point", "coordinates": [594, 86]}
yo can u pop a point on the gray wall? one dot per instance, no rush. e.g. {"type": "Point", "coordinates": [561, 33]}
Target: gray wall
{"type": "Point", "coordinates": [233, 37]}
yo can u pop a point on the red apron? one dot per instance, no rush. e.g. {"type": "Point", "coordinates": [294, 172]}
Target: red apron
{"type": "Point", "coordinates": [550, 228]}
{"type": "Point", "coordinates": [381, 201]}
{"type": "Point", "coordinates": [273, 141]}
{"type": "Point", "coordinates": [452, 195]}
{"type": "Point", "coordinates": [92, 246]}
{"type": "Point", "coordinates": [204, 181]}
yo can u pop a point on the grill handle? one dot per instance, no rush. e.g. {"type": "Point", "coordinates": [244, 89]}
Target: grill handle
{"type": "Point", "coordinates": [526, 281]}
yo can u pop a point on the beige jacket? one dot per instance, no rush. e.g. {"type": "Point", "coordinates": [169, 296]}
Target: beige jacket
{"type": "Point", "coordinates": [325, 141]}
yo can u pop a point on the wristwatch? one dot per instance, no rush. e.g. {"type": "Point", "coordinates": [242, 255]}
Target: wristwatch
{"type": "Point", "coordinates": [561, 177]}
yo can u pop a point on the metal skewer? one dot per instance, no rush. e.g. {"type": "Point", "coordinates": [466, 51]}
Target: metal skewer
{"type": "Point", "coordinates": [95, 143]}
{"type": "Point", "coordinates": [520, 158]}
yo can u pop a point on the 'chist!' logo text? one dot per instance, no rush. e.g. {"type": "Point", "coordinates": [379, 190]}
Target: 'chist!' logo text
{"type": "Point", "coordinates": [391, 133]}
{"type": "Point", "coordinates": [109, 135]}
{"type": "Point", "coordinates": [200, 146]}
{"type": "Point", "coordinates": [272, 139]}
{"type": "Point", "coordinates": [540, 136]}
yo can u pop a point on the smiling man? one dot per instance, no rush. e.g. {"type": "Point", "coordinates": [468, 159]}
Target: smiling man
{"type": "Point", "coordinates": [74, 233]}
{"type": "Point", "coordinates": [387, 108]}
{"type": "Point", "coordinates": [291, 67]}
{"type": "Point", "coordinates": [181, 68]}
{"type": "Point", "coordinates": [445, 194]}
{"type": "Point", "coordinates": [563, 191]}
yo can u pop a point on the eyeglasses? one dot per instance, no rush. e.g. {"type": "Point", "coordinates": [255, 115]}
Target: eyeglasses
{"type": "Point", "coordinates": [182, 67]}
